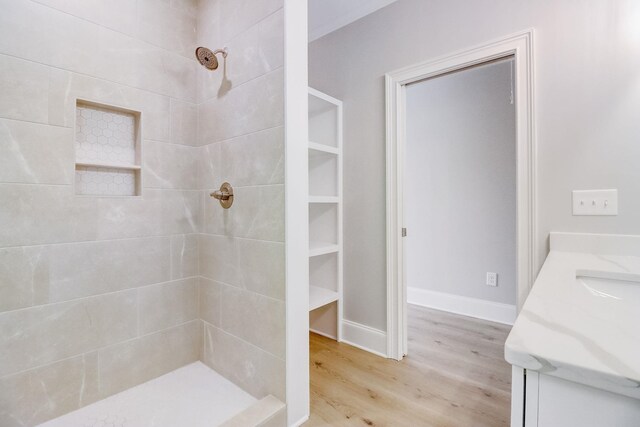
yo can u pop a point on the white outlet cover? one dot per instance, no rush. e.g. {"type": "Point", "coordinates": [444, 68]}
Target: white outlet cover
{"type": "Point", "coordinates": [492, 279]}
{"type": "Point", "coordinates": [595, 202]}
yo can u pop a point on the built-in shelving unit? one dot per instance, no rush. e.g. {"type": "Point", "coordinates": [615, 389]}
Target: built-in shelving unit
{"type": "Point", "coordinates": [325, 214]}
{"type": "Point", "coordinates": [108, 150]}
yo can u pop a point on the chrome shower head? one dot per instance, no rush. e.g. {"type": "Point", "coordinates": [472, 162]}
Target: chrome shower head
{"type": "Point", "coordinates": [207, 58]}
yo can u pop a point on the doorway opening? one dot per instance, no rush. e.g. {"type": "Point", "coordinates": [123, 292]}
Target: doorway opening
{"type": "Point", "coordinates": [460, 192]}
{"type": "Point", "coordinates": [446, 167]}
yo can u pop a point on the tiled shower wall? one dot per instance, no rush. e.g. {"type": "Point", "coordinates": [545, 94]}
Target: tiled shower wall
{"type": "Point", "coordinates": [241, 140]}
{"type": "Point", "coordinates": [97, 294]}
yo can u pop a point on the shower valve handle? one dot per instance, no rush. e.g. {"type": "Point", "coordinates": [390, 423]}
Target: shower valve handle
{"type": "Point", "coordinates": [221, 195]}
{"type": "Point", "coordinates": [224, 195]}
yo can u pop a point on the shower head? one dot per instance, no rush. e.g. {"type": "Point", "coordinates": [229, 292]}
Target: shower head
{"type": "Point", "coordinates": [207, 58]}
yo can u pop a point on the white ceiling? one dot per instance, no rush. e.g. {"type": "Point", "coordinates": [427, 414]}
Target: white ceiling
{"type": "Point", "coordinates": [326, 16]}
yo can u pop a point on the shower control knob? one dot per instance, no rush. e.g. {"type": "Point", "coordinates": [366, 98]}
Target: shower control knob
{"type": "Point", "coordinates": [224, 195]}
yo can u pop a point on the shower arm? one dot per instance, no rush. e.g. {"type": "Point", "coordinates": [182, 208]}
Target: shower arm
{"type": "Point", "coordinates": [222, 51]}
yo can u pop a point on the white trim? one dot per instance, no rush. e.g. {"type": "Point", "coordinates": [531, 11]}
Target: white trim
{"type": "Point", "coordinates": [517, 396]}
{"type": "Point", "coordinates": [473, 307]}
{"type": "Point", "coordinates": [531, 397]}
{"type": "Point", "coordinates": [324, 334]}
{"type": "Point", "coordinates": [364, 337]}
{"type": "Point", "coordinates": [296, 210]}
{"type": "Point", "coordinates": [520, 46]}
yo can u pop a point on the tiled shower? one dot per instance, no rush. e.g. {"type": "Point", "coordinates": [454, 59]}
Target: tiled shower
{"type": "Point", "coordinates": [116, 266]}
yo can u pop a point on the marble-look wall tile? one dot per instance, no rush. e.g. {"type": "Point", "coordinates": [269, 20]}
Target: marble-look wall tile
{"type": "Point", "coordinates": [210, 166]}
{"type": "Point", "coordinates": [256, 319]}
{"type": "Point", "coordinates": [34, 153]}
{"type": "Point", "coordinates": [257, 213]}
{"type": "Point", "coordinates": [75, 44]}
{"type": "Point", "coordinates": [253, 159]}
{"type": "Point", "coordinates": [125, 217]}
{"type": "Point", "coordinates": [181, 211]}
{"type": "Point", "coordinates": [24, 87]}
{"type": "Point", "coordinates": [35, 336]}
{"type": "Point", "coordinates": [253, 53]}
{"type": "Point", "coordinates": [135, 361]}
{"type": "Point", "coordinates": [166, 305]}
{"type": "Point", "coordinates": [34, 396]}
{"type": "Point", "coordinates": [92, 268]}
{"type": "Point", "coordinates": [184, 256]}
{"type": "Point", "coordinates": [35, 275]}
{"type": "Point", "coordinates": [254, 265]}
{"type": "Point", "coordinates": [189, 7]}
{"type": "Point", "coordinates": [65, 87]}
{"type": "Point", "coordinates": [184, 123]}
{"type": "Point", "coordinates": [228, 18]}
{"type": "Point", "coordinates": [41, 215]}
{"type": "Point", "coordinates": [256, 371]}
{"type": "Point", "coordinates": [119, 15]}
{"type": "Point", "coordinates": [165, 25]}
{"type": "Point", "coordinates": [24, 276]}
{"type": "Point", "coordinates": [209, 301]}
{"type": "Point", "coordinates": [24, 28]}
{"type": "Point", "coordinates": [169, 166]}
{"type": "Point", "coordinates": [261, 102]}
{"type": "Point", "coordinates": [45, 214]}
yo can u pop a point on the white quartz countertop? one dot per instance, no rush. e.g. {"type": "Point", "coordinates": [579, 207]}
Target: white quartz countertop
{"type": "Point", "coordinates": [581, 320]}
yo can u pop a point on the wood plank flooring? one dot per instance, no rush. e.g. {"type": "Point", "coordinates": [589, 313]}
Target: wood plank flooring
{"type": "Point", "coordinates": [455, 375]}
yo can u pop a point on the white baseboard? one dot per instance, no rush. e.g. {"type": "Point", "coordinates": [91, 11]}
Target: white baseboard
{"type": "Point", "coordinates": [364, 337]}
{"type": "Point", "coordinates": [473, 307]}
{"type": "Point", "coordinates": [324, 334]}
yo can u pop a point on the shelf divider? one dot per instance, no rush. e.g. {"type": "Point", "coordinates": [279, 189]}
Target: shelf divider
{"type": "Point", "coordinates": [319, 297]}
{"type": "Point", "coordinates": [107, 165]}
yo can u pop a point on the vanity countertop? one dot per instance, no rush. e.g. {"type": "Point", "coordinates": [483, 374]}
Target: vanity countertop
{"type": "Point", "coordinates": [581, 320]}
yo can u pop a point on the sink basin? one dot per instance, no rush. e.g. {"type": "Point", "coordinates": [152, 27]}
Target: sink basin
{"type": "Point", "coordinates": [609, 284]}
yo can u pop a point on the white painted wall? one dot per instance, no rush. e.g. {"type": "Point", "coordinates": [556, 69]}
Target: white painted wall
{"type": "Point", "coordinates": [587, 88]}
{"type": "Point", "coordinates": [460, 184]}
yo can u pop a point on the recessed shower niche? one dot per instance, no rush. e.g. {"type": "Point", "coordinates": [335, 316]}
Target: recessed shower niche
{"type": "Point", "coordinates": [108, 150]}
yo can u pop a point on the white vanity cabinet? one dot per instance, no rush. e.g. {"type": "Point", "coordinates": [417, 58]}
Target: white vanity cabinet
{"type": "Point", "coordinates": [575, 346]}
{"type": "Point", "coordinates": [547, 401]}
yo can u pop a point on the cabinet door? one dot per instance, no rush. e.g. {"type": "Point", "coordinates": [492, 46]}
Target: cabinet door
{"type": "Point", "coordinates": [564, 403]}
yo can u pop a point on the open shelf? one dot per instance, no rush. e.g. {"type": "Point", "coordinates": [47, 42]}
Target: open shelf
{"type": "Point", "coordinates": [323, 173]}
{"type": "Point", "coordinates": [107, 165]}
{"type": "Point", "coordinates": [323, 199]}
{"type": "Point", "coordinates": [325, 214]}
{"type": "Point", "coordinates": [322, 248]}
{"type": "Point", "coordinates": [324, 119]}
{"type": "Point", "coordinates": [323, 148]}
{"type": "Point", "coordinates": [319, 297]}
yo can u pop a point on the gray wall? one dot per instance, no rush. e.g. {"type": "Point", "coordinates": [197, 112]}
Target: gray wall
{"type": "Point", "coordinates": [460, 183]}
{"type": "Point", "coordinates": [587, 88]}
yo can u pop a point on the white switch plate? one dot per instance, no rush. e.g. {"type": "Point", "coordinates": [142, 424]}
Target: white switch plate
{"type": "Point", "coordinates": [492, 279]}
{"type": "Point", "coordinates": [595, 202]}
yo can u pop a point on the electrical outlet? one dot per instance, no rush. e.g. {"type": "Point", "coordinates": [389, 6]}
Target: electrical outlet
{"type": "Point", "coordinates": [492, 279]}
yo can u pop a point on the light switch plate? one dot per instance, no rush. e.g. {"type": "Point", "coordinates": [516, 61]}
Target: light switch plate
{"type": "Point", "coordinates": [595, 202]}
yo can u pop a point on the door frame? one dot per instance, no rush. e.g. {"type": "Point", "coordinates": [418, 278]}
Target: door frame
{"type": "Point", "coordinates": [520, 47]}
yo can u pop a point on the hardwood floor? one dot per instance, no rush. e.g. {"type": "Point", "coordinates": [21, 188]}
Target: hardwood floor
{"type": "Point", "coordinates": [455, 375]}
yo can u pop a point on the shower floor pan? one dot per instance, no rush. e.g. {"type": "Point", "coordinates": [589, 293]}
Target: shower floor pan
{"type": "Point", "coordinates": [193, 396]}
